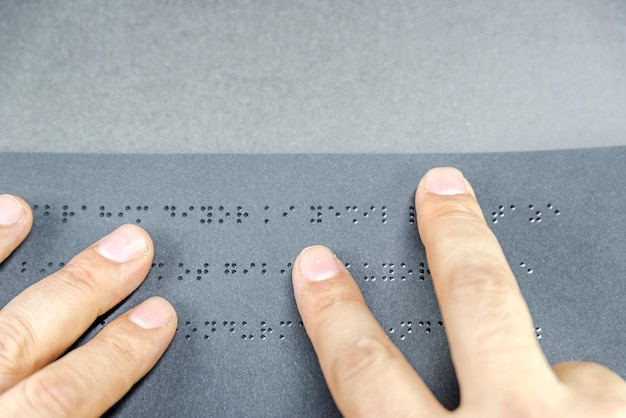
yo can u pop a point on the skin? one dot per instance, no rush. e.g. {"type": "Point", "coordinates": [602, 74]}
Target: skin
{"type": "Point", "coordinates": [500, 367]}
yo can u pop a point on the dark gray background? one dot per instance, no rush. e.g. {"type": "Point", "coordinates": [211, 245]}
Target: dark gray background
{"type": "Point", "coordinates": [359, 76]}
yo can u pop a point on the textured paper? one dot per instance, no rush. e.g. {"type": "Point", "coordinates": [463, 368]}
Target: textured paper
{"type": "Point", "coordinates": [226, 229]}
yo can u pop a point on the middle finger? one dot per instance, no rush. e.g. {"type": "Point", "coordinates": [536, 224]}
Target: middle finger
{"type": "Point", "coordinates": [487, 321]}
{"type": "Point", "coordinates": [43, 321]}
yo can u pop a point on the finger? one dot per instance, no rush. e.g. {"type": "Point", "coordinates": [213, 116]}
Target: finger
{"type": "Point", "coordinates": [44, 320]}
{"type": "Point", "coordinates": [16, 219]}
{"type": "Point", "coordinates": [487, 322]}
{"type": "Point", "coordinates": [88, 380]}
{"type": "Point", "coordinates": [365, 372]}
{"type": "Point", "coordinates": [591, 378]}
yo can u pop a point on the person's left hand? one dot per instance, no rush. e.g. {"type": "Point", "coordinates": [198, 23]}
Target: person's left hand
{"type": "Point", "coordinates": [40, 324]}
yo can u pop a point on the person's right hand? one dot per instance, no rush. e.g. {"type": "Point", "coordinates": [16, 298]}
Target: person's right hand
{"type": "Point", "coordinates": [501, 369]}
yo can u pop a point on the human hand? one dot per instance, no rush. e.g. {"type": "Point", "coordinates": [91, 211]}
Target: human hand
{"type": "Point", "coordinates": [41, 323]}
{"type": "Point", "coordinates": [500, 367]}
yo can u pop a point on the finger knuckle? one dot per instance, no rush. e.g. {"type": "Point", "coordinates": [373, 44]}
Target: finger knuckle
{"type": "Point", "coordinates": [361, 361]}
{"type": "Point", "coordinates": [78, 278]}
{"type": "Point", "coordinates": [53, 394]}
{"type": "Point", "coordinates": [477, 280]}
{"type": "Point", "coordinates": [120, 349]}
{"type": "Point", "coordinates": [330, 305]}
{"type": "Point", "coordinates": [15, 335]}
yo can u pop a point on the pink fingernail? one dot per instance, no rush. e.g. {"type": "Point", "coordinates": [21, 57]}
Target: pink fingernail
{"type": "Point", "coordinates": [153, 313]}
{"type": "Point", "coordinates": [11, 210]}
{"type": "Point", "coordinates": [445, 181]}
{"type": "Point", "coordinates": [124, 244]}
{"type": "Point", "coordinates": [317, 263]}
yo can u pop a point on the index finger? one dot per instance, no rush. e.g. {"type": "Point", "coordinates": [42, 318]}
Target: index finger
{"type": "Point", "coordinates": [488, 324]}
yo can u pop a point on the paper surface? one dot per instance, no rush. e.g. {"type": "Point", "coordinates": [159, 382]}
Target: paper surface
{"type": "Point", "coordinates": [226, 229]}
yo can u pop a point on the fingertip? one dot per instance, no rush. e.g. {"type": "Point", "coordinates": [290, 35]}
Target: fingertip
{"type": "Point", "coordinates": [16, 220]}
{"type": "Point", "coordinates": [444, 181]}
{"type": "Point", "coordinates": [317, 263]}
{"type": "Point", "coordinates": [13, 210]}
{"type": "Point", "coordinates": [153, 313]}
{"type": "Point", "coordinates": [126, 243]}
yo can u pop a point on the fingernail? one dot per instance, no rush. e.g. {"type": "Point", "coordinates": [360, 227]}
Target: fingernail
{"type": "Point", "coordinates": [124, 244]}
{"type": "Point", "coordinates": [445, 181]}
{"type": "Point", "coordinates": [317, 263]}
{"type": "Point", "coordinates": [11, 210]}
{"type": "Point", "coordinates": [153, 313]}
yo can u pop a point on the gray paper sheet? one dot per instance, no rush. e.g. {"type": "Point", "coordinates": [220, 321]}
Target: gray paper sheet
{"type": "Point", "coordinates": [226, 229]}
